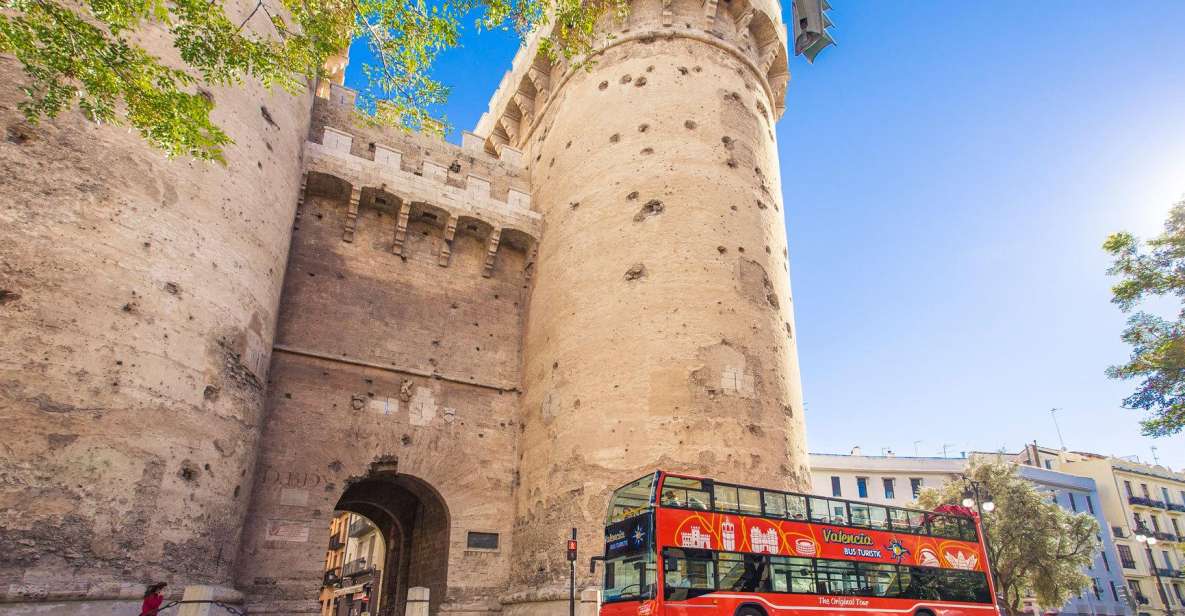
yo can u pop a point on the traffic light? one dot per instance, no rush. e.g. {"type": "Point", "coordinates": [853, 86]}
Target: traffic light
{"type": "Point", "coordinates": [571, 549]}
{"type": "Point", "coordinates": [810, 27]}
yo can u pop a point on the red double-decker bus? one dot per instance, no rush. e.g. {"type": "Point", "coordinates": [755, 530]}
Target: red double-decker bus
{"type": "Point", "coordinates": [688, 546]}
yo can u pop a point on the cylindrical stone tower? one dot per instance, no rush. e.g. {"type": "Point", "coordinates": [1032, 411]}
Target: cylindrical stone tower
{"type": "Point", "coordinates": [138, 298]}
{"type": "Point", "coordinates": [660, 331]}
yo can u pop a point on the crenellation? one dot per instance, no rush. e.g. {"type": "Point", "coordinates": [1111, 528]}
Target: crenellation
{"type": "Point", "coordinates": [388, 157]}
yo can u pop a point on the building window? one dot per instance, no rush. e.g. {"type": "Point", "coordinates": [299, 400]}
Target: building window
{"type": "Point", "coordinates": [915, 485]}
{"type": "Point", "coordinates": [1048, 464]}
{"type": "Point", "coordinates": [1183, 497]}
{"type": "Point", "coordinates": [1176, 529]}
{"type": "Point", "coordinates": [1168, 562]}
{"type": "Point", "coordinates": [1090, 504]}
{"type": "Point", "coordinates": [835, 491]}
{"type": "Point", "coordinates": [1106, 562]}
{"type": "Point", "coordinates": [1073, 503]}
{"type": "Point", "coordinates": [1125, 557]}
{"type": "Point", "coordinates": [1180, 592]}
{"type": "Point", "coordinates": [482, 541]}
{"type": "Point", "coordinates": [889, 492]}
{"type": "Point", "coordinates": [1127, 487]}
{"type": "Point", "coordinates": [1155, 523]}
{"type": "Point", "coordinates": [1114, 591]}
{"type": "Point", "coordinates": [1144, 490]}
{"type": "Point", "coordinates": [1098, 592]}
{"type": "Point", "coordinates": [1165, 492]}
{"type": "Point", "coordinates": [861, 487]}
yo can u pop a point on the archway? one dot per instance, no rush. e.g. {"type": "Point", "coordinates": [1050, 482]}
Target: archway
{"type": "Point", "coordinates": [412, 521]}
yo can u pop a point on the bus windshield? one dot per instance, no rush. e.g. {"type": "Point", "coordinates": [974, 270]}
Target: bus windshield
{"type": "Point", "coordinates": [631, 499]}
{"type": "Point", "coordinates": [630, 578]}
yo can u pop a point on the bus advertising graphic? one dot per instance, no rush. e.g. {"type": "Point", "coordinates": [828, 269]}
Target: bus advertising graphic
{"type": "Point", "coordinates": [738, 533]}
{"type": "Point", "coordinates": [688, 546]}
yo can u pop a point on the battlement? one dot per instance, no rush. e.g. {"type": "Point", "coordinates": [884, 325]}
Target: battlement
{"type": "Point", "coordinates": [419, 178]}
{"type": "Point", "coordinates": [750, 30]}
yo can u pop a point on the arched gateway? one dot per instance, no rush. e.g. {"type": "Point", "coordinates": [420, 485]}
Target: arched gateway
{"type": "Point", "coordinates": [413, 522]}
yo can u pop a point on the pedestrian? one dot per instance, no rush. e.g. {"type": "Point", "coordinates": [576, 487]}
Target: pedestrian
{"type": "Point", "coordinates": [153, 596]}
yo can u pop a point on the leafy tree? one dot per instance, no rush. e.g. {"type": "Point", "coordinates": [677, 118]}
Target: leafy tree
{"type": "Point", "coordinates": [1158, 345]}
{"type": "Point", "coordinates": [1036, 548]}
{"type": "Point", "coordinates": [85, 53]}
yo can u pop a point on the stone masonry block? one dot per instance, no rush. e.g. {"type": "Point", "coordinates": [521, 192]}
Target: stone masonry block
{"type": "Point", "coordinates": [387, 156]}
{"type": "Point", "coordinates": [434, 171]}
{"type": "Point", "coordinates": [478, 187]}
{"type": "Point", "coordinates": [337, 140]}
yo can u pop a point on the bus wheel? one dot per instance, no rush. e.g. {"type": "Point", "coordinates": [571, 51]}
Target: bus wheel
{"type": "Point", "coordinates": [752, 610]}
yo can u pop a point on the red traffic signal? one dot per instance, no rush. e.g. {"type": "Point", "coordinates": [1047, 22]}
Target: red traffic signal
{"type": "Point", "coordinates": [571, 549]}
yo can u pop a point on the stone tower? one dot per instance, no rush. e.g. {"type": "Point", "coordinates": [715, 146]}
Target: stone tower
{"type": "Point", "coordinates": [138, 299]}
{"type": "Point", "coordinates": [660, 330]}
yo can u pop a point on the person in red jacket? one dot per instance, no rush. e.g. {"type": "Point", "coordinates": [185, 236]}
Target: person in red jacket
{"type": "Point", "coordinates": [153, 597]}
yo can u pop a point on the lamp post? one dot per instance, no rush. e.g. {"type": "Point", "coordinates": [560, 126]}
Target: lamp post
{"type": "Point", "coordinates": [982, 504]}
{"type": "Point", "coordinates": [1144, 536]}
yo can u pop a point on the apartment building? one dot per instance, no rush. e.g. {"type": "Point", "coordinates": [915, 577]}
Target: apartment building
{"type": "Point", "coordinates": [1106, 595]}
{"type": "Point", "coordinates": [886, 480]}
{"type": "Point", "coordinates": [896, 480]}
{"type": "Point", "coordinates": [353, 574]}
{"type": "Point", "coordinates": [335, 555]}
{"type": "Point", "coordinates": [1144, 505]}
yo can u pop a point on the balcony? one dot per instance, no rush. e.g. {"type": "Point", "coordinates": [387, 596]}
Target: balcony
{"type": "Point", "coordinates": [1118, 532]}
{"type": "Point", "coordinates": [1163, 536]}
{"type": "Point", "coordinates": [1166, 572]}
{"type": "Point", "coordinates": [1145, 502]}
{"type": "Point", "coordinates": [359, 527]}
{"type": "Point", "coordinates": [1142, 600]}
{"type": "Point", "coordinates": [336, 543]}
{"type": "Point", "coordinates": [331, 578]}
{"type": "Point", "coordinates": [1176, 507]}
{"type": "Point", "coordinates": [356, 568]}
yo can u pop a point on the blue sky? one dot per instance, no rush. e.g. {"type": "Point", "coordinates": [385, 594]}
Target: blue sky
{"type": "Point", "coordinates": [950, 171]}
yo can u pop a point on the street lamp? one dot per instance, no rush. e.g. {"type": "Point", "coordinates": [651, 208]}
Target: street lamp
{"type": "Point", "coordinates": [982, 504]}
{"type": "Point", "coordinates": [1145, 537]}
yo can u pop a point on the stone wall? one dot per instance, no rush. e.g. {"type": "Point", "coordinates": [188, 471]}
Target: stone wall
{"type": "Point", "coordinates": [407, 354]}
{"type": "Point", "coordinates": [138, 299]}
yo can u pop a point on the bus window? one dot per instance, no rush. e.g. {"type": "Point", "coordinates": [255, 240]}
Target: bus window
{"type": "Point", "coordinates": [726, 498]}
{"type": "Point", "coordinates": [967, 530]}
{"type": "Point", "coordinates": [970, 586]}
{"type": "Point", "coordinates": [944, 526]}
{"type": "Point", "coordinates": [629, 578]}
{"type": "Point", "coordinates": [906, 521]}
{"type": "Point", "coordinates": [795, 507]}
{"type": "Point", "coordinates": [630, 499]}
{"type": "Point", "coordinates": [920, 583]}
{"type": "Point", "coordinates": [775, 504]}
{"type": "Point", "coordinates": [878, 517]}
{"type": "Point", "coordinates": [749, 500]}
{"type": "Point", "coordinates": [837, 577]}
{"type": "Point", "coordinates": [687, 574]}
{"type": "Point", "coordinates": [882, 579]}
{"type": "Point", "coordinates": [828, 511]}
{"type": "Point", "coordinates": [790, 574]}
{"type": "Point", "coordinates": [742, 572]}
{"type": "Point", "coordinates": [685, 493]}
{"type": "Point", "coordinates": [859, 514]}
